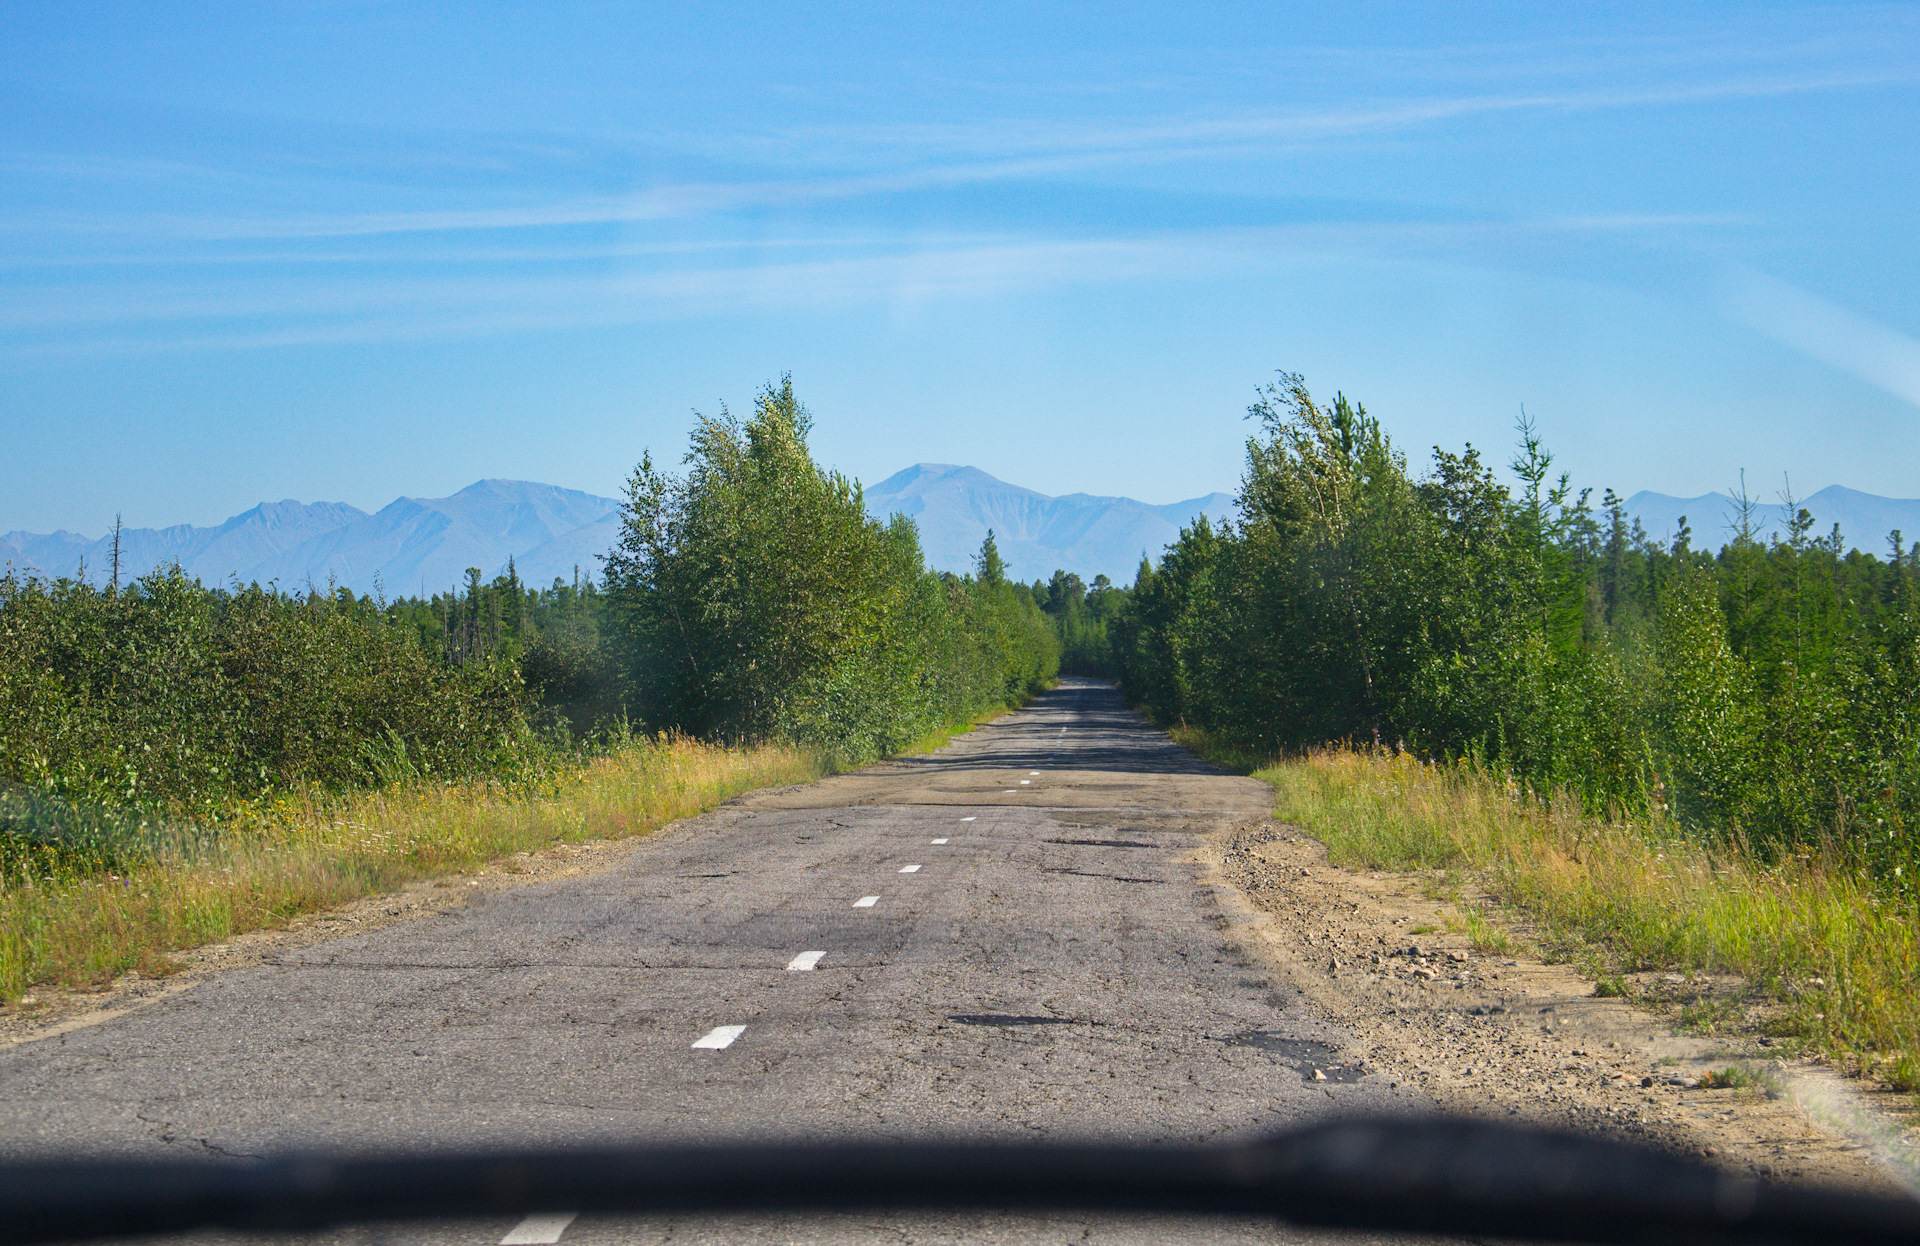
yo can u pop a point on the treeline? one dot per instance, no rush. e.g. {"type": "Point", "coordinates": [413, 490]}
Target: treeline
{"type": "Point", "coordinates": [167, 696]}
{"type": "Point", "coordinates": [750, 599]}
{"type": "Point", "coordinates": [1082, 615]}
{"type": "Point", "coordinates": [761, 600]}
{"type": "Point", "coordinates": [563, 640]}
{"type": "Point", "coordinates": [1769, 691]}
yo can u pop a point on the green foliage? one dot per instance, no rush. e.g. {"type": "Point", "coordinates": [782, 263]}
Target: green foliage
{"type": "Point", "coordinates": [168, 703]}
{"type": "Point", "coordinates": [1769, 693]}
{"type": "Point", "coordinates": [751, 599]}
{"type": "Point", "coordinates": [759, 600]}
{"type": "Point", "coordinates": [1485, 935]}
{"type": "Point", "coordinates": [1710, 711]}
{"type": "Point", "coordinates": [1733, 1077]}
{"type": "Point", "coordinates": [559, 636]}
{"type": "Point", "coordinates": [1081, 616]}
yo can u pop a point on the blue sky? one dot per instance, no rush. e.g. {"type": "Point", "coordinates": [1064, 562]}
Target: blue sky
{"type": "Point", "coordinates": [354, 250]}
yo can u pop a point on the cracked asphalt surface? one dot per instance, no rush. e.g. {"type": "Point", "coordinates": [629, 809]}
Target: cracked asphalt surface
{"type": "Point", "coordinates": [1055, 969]}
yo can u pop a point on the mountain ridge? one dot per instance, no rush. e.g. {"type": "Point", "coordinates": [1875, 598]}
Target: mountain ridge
{"type": "Point", "coordinates": [1091, 534]}
{"type": "Point", "coordinates": [425, 545]}
{"type": "Point", "coordinates": [1865, 519]}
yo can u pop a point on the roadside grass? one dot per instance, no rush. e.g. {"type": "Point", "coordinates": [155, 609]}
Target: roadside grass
{"type": "Point", "coordinates": [937, 739]}
{"type": "Point", "coordinates": [1838, 954]}
{"type": "Point", "coordinates": [1733, 1077]}
{"type": "Point", "coordinates": [1486, 936]}
{"type": "Point", "coordinates": [1227, 756]}
{"type": "Point", "coordinates": [83, 928]}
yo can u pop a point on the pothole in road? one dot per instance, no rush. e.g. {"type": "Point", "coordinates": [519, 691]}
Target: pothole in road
{"type": "Point", "coordinates": [1105, 843]}
{"type": "Point", "coordinates": [997, 1018]}
{"type": "Point", "coordinates": [1314, 1061]}
{"type": "Point", "coordinates": [1117, 878]}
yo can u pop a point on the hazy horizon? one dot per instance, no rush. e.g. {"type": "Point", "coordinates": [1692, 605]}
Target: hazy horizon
{"type": "Point", "coordinates": [1762, 498]}
{"type": "Point", "coordinates": [416, 545]}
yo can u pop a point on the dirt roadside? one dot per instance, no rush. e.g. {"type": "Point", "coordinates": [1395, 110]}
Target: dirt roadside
{"type": "Point", "coordinates": [1513, 1037]}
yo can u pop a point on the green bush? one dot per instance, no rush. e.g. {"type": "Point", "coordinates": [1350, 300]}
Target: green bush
{"type": "Point", "coordinates": [166, 700]}
{"type": "Point", "coordinates": [1769, 693]}
{"type": "Point", "coordinates": [757, 599]}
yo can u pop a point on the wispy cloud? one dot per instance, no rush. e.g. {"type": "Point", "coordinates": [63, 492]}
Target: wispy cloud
{"type": "Point", "coordinates": [917, 157]}
{"type": "Point", "coordinates": [388, 310]}
{"type": "Point", "coordinates": [639, 281]}
{"type": "Point", "coordinates": [1860, 347]}
{"type": "Point", "coordinates": [1166, 137]}
{"type": "Point", "coordinates": [696, 244]}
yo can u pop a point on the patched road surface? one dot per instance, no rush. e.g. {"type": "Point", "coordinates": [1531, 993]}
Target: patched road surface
{"type": "Point", "coordinates": [1002, 939]}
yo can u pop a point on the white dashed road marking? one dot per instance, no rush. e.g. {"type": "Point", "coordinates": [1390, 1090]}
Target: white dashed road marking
{"type": "Point", "coordinates": [719, 1037]}
{"type": "Point", "coordinates": [1024, 782]}
{"type": "Point", "coordinates": [806, 960]}
{"type": "Point", "coordinates": [939, 841]}
{"type": "Point", "coordinates": [909, 869]}
{"type": "Point", "coordinates": [541, 1230]}
{"type": "Point", "coordinates": [968, 819]}
{"type": "Point", "coordinates": [1033, 772]}
{"type": "Point", "coordinates": [866, 902]}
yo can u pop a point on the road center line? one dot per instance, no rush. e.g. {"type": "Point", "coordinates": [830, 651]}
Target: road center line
{"type": "Point", "coordinates": [866, 902]}
{"type": "Point", "coordinates": [909, 869]}
{"type": "Point", "coordinates": [1024, 782]}
{"type": "Point", "coordinates": [804, 961]}
{"type": "Point", "coordinates": [719, 1038]}
{"type": "Point", "coordinates": [969, 819]}
{"type": "Point", "coordinates": [938, 841]}
{"type": "Point", "coordinates": [542, 1229]}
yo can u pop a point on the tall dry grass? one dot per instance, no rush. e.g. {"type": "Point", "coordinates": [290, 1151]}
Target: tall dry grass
{"type": "Point", "coordinates": [303, 855]}
{"type": "Point", "coordinates": [1841, 955]}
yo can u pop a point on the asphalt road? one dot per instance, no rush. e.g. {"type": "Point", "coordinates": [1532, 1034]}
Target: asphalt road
{"type": "Point", "coordinates": [1000, 939]}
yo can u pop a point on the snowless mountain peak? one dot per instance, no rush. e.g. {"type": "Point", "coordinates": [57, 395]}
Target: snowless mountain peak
{"type": "Point", "coordinates": [956, 506]}
{"type": "Point", "coordinates": [1865, 519]}
{"type": "Point", "coordinates": [426, 545]}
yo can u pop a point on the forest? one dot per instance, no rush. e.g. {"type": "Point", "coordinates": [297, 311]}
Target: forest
{"type": "Point", "coordinates": [751, 599]}
{"type": "Point", "coordinates": [1766, 693]}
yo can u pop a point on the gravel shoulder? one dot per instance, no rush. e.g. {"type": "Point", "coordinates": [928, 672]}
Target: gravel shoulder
{"type": "Point", "coordinates": [1513, 1037]}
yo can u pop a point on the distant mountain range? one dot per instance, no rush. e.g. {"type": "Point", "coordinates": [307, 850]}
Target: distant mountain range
{"type": "Point", "coordinates": [1036, 534]}
{"type": "Point", "coordinates": [1865, 519]}
{"type": "Point", "coordinates": [410, 546]}
{"type": "Point", "coordinates": [425, 545]}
